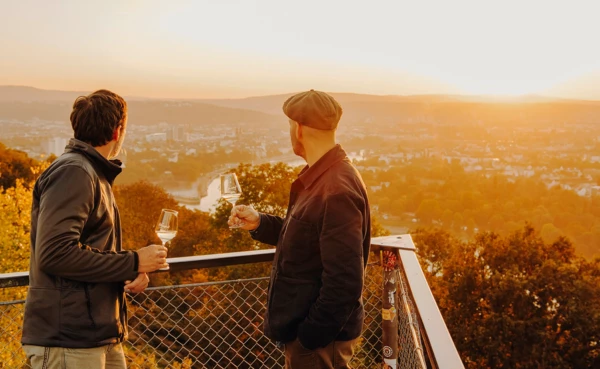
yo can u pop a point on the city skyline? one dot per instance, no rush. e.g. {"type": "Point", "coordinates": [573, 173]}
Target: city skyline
{"type": "Point", "coordinates": [235, 49]}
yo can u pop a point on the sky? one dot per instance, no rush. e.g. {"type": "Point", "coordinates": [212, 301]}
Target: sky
{"type": "Point", "coordinates": [241, 48]}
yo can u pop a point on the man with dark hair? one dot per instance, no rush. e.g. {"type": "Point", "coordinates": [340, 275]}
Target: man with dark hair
{"type": "Point", "coordinates": [314, 304]}
{"type": "Point", "coordinates": [76, 313]}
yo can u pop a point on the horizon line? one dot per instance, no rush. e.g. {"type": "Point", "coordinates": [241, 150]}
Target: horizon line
{"type": "Point", "coordinates": [432, 94]}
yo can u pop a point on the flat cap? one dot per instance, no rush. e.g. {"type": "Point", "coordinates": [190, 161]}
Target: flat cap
{"type": "Point", "coordinates": [314, 109]}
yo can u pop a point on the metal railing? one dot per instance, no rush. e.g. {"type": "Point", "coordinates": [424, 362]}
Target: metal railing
{"type": "Point", "coordinates": [219, 324]}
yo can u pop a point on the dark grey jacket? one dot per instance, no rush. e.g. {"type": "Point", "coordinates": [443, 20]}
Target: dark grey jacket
{"type": "Point", "coordinates": [323, 243]}
{"type": "Point", "coordinates": [77, 268]}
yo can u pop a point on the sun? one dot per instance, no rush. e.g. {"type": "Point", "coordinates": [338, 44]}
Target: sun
{"type": "Point", "coordinates": [502, 87]}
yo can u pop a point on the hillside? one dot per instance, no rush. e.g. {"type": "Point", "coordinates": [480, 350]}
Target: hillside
{"type": "Point", "coordinates": [142, 112]}
{"type": "Point", "coordinates": [29, 94]}
{"type": "Point", "coordinates": [25, 103]}
{"type": "Point", "coordinates": [453, 109]}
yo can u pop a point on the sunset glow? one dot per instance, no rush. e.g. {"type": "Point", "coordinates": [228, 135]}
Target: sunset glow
{"type": "Point", "coordinates": [190, 49]}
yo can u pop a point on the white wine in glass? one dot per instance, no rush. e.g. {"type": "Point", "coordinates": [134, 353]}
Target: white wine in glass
{"type": "Point", "coordinates": [231, 190]}
{"type": "Point", "coordinates": [166, 228]}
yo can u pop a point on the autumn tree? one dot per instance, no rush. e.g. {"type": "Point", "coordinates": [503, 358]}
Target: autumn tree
{"type": "Point", "coordinates": [15, 217]}
{"type": "Point", "coordinates": [16, 165]}
{"type": "Point", "coordinates": [515, 301]}
{"type": "Point", "coordinates": [140, 204]}
{"type": "Point", "coordinates": [266, 187]}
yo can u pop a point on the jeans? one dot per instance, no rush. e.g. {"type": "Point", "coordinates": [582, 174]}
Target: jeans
{"type": "Point", "coordinates": [103, 357]}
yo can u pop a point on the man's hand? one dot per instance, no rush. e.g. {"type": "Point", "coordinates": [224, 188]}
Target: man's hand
{"type": "Point", "coordinates": [151, 258]}
{"type": "Point", "coordinates": [138, 285]}
{"type": "Point", "coordinates": [246, 216]}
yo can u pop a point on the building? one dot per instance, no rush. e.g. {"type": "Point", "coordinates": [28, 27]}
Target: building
{"type": "Point", "coordinates": [177, 133]}
{"type": "Point", "coordinates": [55, 145]}
{"type": "Point", "coordinates": [156, 137]}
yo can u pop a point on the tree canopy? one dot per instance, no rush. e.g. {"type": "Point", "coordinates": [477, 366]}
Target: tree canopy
{"type": "Point", "coordinates": [515, 301]}
{"type": "Point", "coordinates": [517, 298]}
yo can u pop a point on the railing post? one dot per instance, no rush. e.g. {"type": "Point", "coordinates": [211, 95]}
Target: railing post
{"type": "Point", "coordinates": [389, 249]}
{"type": "Point", "coordinates": [425, 327]}
{"type": "Point", "coordinates": [389, 313]}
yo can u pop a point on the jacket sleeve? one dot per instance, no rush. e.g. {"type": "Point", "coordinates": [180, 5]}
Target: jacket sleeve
{"type": "Point", "coordinates": [66, 200]}
{"type": "Point", "coordinates": [341, 243]}
{"type": "Point", "coordinates": [268, 230]}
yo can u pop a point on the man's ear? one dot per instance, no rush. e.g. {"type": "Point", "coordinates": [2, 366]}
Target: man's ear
{"type": "Point", "coordinates": [298, 130]}
{"type": "Point", "coordinates": [116, 133]}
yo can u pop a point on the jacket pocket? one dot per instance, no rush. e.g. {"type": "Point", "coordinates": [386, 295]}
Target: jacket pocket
{"type": "Point", "coordinates": [105, 307]}
{"type": "Point", "coordinates": [291, 302]}
{"type": "Point", "coordinates": [42, 315]}
{"type": "Point", "coordinates": [300, 243]}
{"type": "Point", "coordinates": [75, 318]}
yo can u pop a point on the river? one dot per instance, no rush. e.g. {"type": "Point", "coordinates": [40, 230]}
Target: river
{"type": "Point", "coordinates": [209, 202]}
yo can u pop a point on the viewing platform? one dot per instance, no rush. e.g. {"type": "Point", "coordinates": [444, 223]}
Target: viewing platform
{"type": "Point", "coordinates": [219, 324]}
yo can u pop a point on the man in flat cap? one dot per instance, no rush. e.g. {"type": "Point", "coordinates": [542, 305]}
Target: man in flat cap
{"type": "Point", "coordinates": [314, 305]}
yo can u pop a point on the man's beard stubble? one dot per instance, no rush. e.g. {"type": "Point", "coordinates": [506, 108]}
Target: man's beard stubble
{"type": "Point", "coordinates": [298, 147]}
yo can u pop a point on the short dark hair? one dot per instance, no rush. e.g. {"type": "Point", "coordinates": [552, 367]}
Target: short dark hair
{"type": "Point", "coordinates": [96, 116]}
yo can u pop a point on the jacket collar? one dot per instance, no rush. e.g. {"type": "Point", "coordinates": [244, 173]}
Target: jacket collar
{"type": "Point", "coordinates": [110, 168]}
{"type": "Point", "coordinates": [308, 175]}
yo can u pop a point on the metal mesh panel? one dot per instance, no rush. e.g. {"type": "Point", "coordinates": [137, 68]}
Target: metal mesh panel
{"type": "Point", "coordinates": [212, 325]}
{"type": "Point", "coordinates": [219, 325]}
{"type": "Point", "coordinates": [11, 321]}
{"type": "Point", "coordinates": [410, 343]}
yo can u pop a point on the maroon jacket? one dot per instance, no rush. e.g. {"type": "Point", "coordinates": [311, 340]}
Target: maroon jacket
{"type": "Point", "coordinates": [315, 291]}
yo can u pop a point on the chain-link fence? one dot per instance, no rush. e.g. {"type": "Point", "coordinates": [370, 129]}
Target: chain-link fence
{"type": "Point", "coordinates": [411, 352]}
{"type": "Point", "coordinates": [219, 325]}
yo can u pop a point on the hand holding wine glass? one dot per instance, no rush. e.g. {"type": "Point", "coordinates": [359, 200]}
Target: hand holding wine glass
{"type": "Point", "coordinates": [166, 228]}
{"type": "Point", "coordinates": [151, 258]}
{"type": "Point", "coordinates": [245, 216]}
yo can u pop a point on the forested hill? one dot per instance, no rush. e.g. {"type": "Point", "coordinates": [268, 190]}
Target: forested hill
{"type": "Point", "coordinates": [25, 103]}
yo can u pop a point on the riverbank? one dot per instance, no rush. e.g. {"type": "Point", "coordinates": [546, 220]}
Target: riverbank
{"type": "Point", "coordinates": [204, 193]}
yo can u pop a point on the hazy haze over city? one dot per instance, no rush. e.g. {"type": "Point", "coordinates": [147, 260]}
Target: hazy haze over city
{"type": "Point", "coordinates": [232, 49]}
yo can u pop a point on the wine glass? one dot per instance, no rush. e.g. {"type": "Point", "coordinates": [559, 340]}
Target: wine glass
{"type": "Point", "coordinates": [166, 228]}
{"type": "Point", "coordinates": [231, 190]}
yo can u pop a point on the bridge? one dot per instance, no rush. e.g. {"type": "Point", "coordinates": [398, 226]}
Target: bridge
{"type": "Point", "coordinates": [198, 189]}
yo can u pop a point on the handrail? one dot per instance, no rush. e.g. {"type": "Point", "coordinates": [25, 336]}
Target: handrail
{"type": "Point", "coordinates": [441, 351]}
{"type": "Point", "coordinates": [17, 279]}
{"type": "Point", "coordinates": [435, 330]}
{"type": "Point", "coordinates": [20, 279]}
